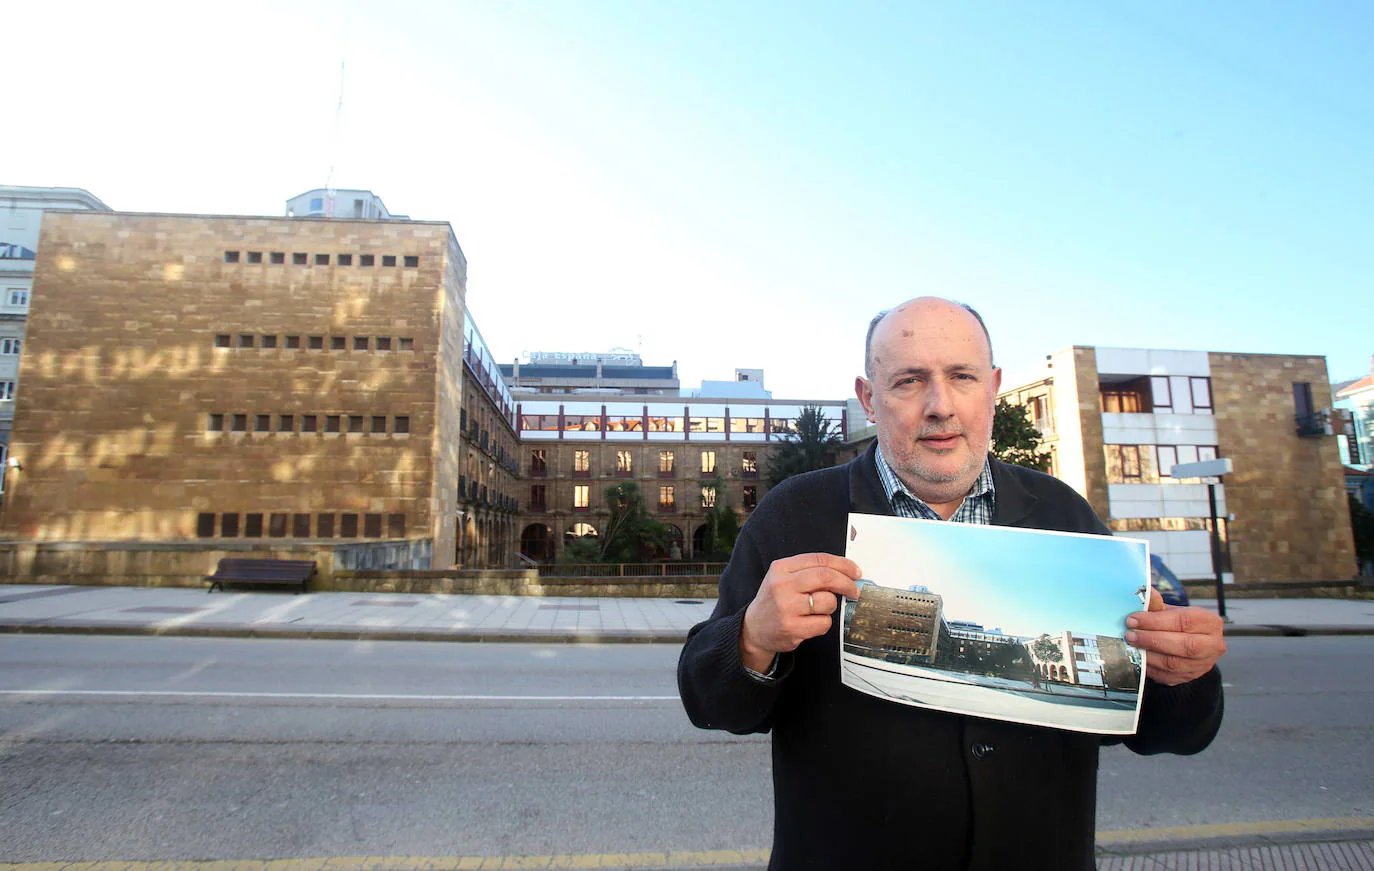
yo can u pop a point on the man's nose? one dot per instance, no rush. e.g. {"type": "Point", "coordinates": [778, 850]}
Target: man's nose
{"type": "Point", "coordinates": [939, 400]}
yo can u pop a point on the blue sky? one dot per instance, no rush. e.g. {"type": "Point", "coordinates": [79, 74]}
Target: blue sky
{"type": "Point", "coordinates": [745, 184]}
{"type": "Point", "coordinates": [1022, 582]}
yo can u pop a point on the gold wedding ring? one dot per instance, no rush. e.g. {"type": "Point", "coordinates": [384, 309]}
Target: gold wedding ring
{"type": "Point", "coordinates": [810, 604]}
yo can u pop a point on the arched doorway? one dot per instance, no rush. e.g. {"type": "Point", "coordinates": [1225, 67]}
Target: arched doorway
{"type": "Point", "coordinates": [699, 541]}
{"type": "Point", "coordinates": [536, 542]}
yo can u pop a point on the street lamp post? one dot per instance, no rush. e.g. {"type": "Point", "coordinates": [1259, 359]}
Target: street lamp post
{"type": "Point", "coordinates": [1210, 469]}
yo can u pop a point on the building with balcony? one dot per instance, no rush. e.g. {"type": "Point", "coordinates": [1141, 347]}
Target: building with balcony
{"type": "Point", "coordinates": [1116, 420]}
{"type": "Point", "coordinates": [1357, 398]}
{"type": "Point", "coordinates": [21, 210]}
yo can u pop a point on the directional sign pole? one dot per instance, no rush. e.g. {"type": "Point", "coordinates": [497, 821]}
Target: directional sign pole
{"type": "Point", "coordinates": [1216, 550]}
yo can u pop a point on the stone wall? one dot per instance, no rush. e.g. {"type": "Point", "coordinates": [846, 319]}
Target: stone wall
{"type": "Point", "coordinates": [1287, 493]}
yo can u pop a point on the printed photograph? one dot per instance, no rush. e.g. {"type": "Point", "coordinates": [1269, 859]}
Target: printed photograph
{"type": "Point", "coordinates": [990, 621]}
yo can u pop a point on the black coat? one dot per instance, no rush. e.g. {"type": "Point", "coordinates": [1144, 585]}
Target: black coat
{"type": "Point", "coordinates": [863, 783]}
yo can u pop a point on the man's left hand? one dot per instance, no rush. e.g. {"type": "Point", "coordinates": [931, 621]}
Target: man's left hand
{"type": "Point", "coordinates": [1183, 643]}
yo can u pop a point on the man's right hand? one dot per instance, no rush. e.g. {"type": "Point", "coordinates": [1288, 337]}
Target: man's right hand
{"type": "Point", "coordinates": [795, 602]}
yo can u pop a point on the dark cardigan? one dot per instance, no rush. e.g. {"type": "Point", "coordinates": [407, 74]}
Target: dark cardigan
{"type": "Point", "coordinates": [863, 783]}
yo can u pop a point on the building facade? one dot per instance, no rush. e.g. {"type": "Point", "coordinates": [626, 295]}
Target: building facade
{"type": "Point", "coordinates": [1116, 420]}
{"type": "Point", "coordinates": [196, 378]}
{"type": "Point", "coordinates": [23, 209]}
{"type": "Point", "coordinates": [1357, 397]}
{"type": "Point", "coordinates": [356, 205]}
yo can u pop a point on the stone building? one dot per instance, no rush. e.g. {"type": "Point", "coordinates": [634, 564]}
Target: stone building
{"type": "Point", "coordinates": [896, 625]}
{"type": "Point", "coordinates": [1116, 420]}
{"type": "Point", "coordinates": [198, 378]}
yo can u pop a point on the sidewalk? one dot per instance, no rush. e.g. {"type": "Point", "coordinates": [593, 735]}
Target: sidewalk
{"type": "Point", "coordinates": [418, 617]}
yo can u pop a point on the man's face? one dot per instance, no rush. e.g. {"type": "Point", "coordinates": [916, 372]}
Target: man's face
{"type": "Point", "coordinates": [931, 391]}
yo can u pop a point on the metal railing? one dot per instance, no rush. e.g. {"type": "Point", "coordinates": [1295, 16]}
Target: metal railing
{"type": "Point", "coordinates": [632, 570]}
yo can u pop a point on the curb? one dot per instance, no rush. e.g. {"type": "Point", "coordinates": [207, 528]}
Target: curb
{"type": "Point", "coordinates": [349, 634]}
{"type": "Point", "coordinates": [1209, 838]}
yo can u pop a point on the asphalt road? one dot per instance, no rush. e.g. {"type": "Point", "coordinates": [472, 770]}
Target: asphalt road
{"type": "Point", "coordinates": [179, 748]}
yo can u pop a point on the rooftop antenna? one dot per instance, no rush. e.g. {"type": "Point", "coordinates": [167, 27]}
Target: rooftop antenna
{"type": "Point", "coordinates": [338, 115]}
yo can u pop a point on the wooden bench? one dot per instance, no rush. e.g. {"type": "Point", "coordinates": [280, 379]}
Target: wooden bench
{"type": "Point", "coordinates": [276, 572]}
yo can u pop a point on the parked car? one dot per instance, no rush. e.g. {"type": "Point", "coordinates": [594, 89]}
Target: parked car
{"type": "Point", "coordinates": [1168, 584]}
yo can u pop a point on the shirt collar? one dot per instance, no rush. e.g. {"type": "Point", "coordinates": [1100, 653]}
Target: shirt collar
{"type": "Point", "coordinates": [893, 486]}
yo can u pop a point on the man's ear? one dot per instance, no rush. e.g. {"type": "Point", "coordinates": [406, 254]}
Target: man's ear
{"type": "Point", "coordinates": [864, 391]}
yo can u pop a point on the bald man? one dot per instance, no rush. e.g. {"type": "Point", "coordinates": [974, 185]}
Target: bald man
{"type": "Point", "coordinates": [864, 783]}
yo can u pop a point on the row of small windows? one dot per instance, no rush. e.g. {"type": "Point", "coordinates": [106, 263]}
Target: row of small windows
{"type": "Point", "coordinates": [278, 258]}
{"type": "Point", "coordinates": [374, 424]}
{"type": "Point", "coordinates": [596, 423]}
{"type": "Point", "coordinates": [259, 525]}
{"type": "Point", "coordinates": [667, 497]}
{"type": "Point", "coordinates": [624, 463]}
{"type": "Point", "coordinates": [313, 343]}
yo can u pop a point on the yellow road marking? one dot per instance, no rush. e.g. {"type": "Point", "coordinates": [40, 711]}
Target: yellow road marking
{"type": "Point", "coordinates": [664, 860]}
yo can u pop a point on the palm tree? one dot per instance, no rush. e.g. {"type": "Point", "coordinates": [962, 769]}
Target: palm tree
{"type": "Point", "coordinates": [810, 446]}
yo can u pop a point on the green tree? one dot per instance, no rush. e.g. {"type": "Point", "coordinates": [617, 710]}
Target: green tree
{"type": "Point", "coordinates": [1047, 648]}
{"type": "Point", "coordinates": [810, 446]}
{"type": "Point", "coordinates": [631, 535]}
{"type": "Point", "coordinates": [722, 524]}
{"type": "Point", "coordinates": [1015, 439]}
{"type": "Point", "coordinates": [1362, 526]}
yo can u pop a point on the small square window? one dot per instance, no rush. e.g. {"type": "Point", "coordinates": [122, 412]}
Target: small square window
{"type": "Point", "coordinates": [222, 340]}
{"type": "Point", "coordinates": [412, 261]}
{"type": "Point", "coordinates": [395, 526]}
{"type": "Point", "coordinates": [240, 423]}
{"type": "Point", "coordinates": [254, 256]}
{"type": "Point", "coordinates": [402, 425]}
{"type": "Point", "coordinates": [205, 526]}
{"type": "Point", "coordinates": [372, 526]}
{"type": "Point", "coordinates": [309, 423]}
{"type": "Point", "coordinates": [366, 260]}
{"type": "Point", "coordinates": [277, 257]}
{"type": "Point", "coordinates": [269, 341]}
{"type": "Point", "coordinates": [246, 340]}
{"type": "Point", "coordinates": [378, 423]}
{"type": "Point", "coordinates": [321, 259]}
{"type": "Point", "coordinates": [360, 343]}
{"type": "Point", "coordinates": [300, 525]}
{"type": "Point", "coordinates": [348, 526]}
{"type": "Point", "coordinates": [299, 259]}
{"type": "Point", "coordinates": [276, 525]}
{"type": "Point", "coordinates": [406, 344]}
{"type": "Point", "coordinates": [316, 342]}
{"type": "Point", "coordinates": [229, 526]}
{"type": "Point", "coordinates": [286, 423]}
{"type": "Point", "coordinates": [388, 259]}
{"type": "Point", "coordinates": [331, 422]}
{"type": "Point", "coordinates": [337, 343]}
{"type": "Point", "coordinates": [344, 259]}
{"type": "Point", "coordinates": [293, 342]}
{"type": "Point", "coordinates": [355, 423]}
{"type": "Point", "coordinates": [231, 257]}
{"type": "Point", "coordinates": [252, 526]}
{"type": "Point", "coordinates": [215, 423]}
{"type": "Point", "coordinates": [263, 423]}
{"type": "Point", "coordinates": [324, 526]}
{"type": "Point", "coordinates": [383, 343]}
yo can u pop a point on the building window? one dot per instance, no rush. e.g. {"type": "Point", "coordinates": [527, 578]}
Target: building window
{"type": "Point", "coordinates": [708, 462]}
{"type": "Point", "coordinates": [582, 497]}
{"type": "Point", "coordinates": [344, 259]}
{"type": "Point", "coordinates": [293, 343]}
{"type": "Point", "coordinates": [388, 259]}
{"type": "Point", "coordinates": [316, 204]}
{"type": "Point", "coordinates": [539, 465]}
{"type": "Point", "coordinates": [348, 526]}
{"type": "Point", "coordinates": [269, 341]}
{"type": "Point", "coordinates": [222, 340]}
{"type": "Point", "coordinates": [355, 423]}
{"type": "Point", "coordinates": [205, 526]}
{"type": "Point", "coordinates": [231, 257]}
{"type": "Point", "coordinates": [383, 343]}
{"type": "Point", "coordinates": [582, 463]}
{"type": "Point", "coordinates": [276, 525]}
{"type": "Point", "coordinates": [309, 423]}
{"type": "Point", "coordinates": [1123, 464]}
{"type": "Point", "coordinates": [338, 343]}
{"type": "Point", "coordinates": [665, 464]}
{"type": "Point", "coordinates": [7, 391]}
{"type": "Point", "coordinates": [315, 343]}
{"type": "Point", "coordinates": [624, 463]}
{"type": "Point", "coordinates": [239, 423]}
{"type": "Point", "coordinates": [412, 261]}
{"type": "Point", "coordinates": [667, 500]}
{"type": "Point", "coordinates": [262, 423]}
{"type": "Point", "coordinates": [229, 526]}
{"type": "Point", "coordinates": [539, 495]}
{"type": "Point", "coordinates": [706, 424]}
{"type": "Point", "coordinates": [751, 497]}
{"type": "Point", "coordinates": [372, 526]}
{"type": "Point", "coordinates": [406, 344]}
{"type": "Point", "coordinates": [1127, 397]}
{"type": "Point", "coordinates": [324, 526]}
{"type": "Point", "coordinates": [19, 297]}
{"type": "Point", "coordinates": [749, 464]}
{"type": "Point", "coordinates": [378, 424]}
{"type": "Point", "coordinates": [214, 423]}
{"type": "Point", "coordinates": [1201, 389]}
{"type": "Point", "coordinates": [708, 496]}
{"type": "Point", "coordinates": [10, 347]}
{"type": "Point", "coordinates": [402, 425]}
{"type": "Point", "coordinates": [252, 526]}
{"type": "Point", "coordinates": [395, 526]}
{"type": "Point", "coordinates": [332, 422]}
{"type": "Point", "coordinates": [366, 260]}
{"type": "Point", "coordinates": [300, 525]}
{"type": "Point", "coordinates": [277, 257]}
{"type": "Point", "coordinates": [254, 256]}
{"type": "Point", "coordinates": [360, 343]}
{"type": "Point", "coordinates": [299, 259]}
{"type": "Point", "coordinates": [286, 423]}
{"type": "Point", "coordinates": [246, 340]}
{"type": "Point", "coordinates": [746, 424]}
